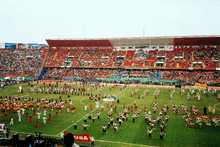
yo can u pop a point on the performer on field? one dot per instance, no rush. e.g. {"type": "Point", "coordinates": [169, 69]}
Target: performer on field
{"type": "Point", "coordinates": [44, 119]}
{"type": "Point", "coordinates": [161, 135]}
{"type": "Point", "coordinates": [56, 113]}
{"type": "Point", "coordinates": [75, 125]}
{"type": "Point", "coordinates": [36, 125]}
{"type": "Point", "coordinates": [26, 116]}
{"type": "Point", "coordinates": [12, 121]}
{"type": "Point", "coordinates": [49, 118]}
{"type": "Point", "coordinates": [104, 129]}
{"type": "Point", "coordinates": [149, 132]}
{"type": "Point", "coordinates": [19, 117]}
{"type": "Point", "coordinates": [30, 120]}
{"type": "Point", "coordinates": [85, 121]}
{"type": "Point", "coordinates": [38, 115]}
{"type": "Point", "coordinates": [84, 126]}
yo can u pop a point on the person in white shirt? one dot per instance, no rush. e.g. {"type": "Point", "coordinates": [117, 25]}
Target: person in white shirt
{"type": "Point", "coordinates": [38, 114]}
{"type": "Point", "coordinates": [11, 123]}
{"type": "Point", "coordinates": [62, 136]}
{"type": "Point", "coordinates": [192, 91]}
{"type": "Point", "coordinates": [19, 112]}
{"type": "Point", "coordinates": [44, 120]}
{"type": "Point", "coordinates": [92, 141]}
{"type": "Point", "coordinates": [23, 110]}
{"type": "Point", "coordinates": [85, 107]}
{"type": "Point", "coordinates": [19, 117]}
{"type": "Point", "coordinates": [45, 111]}
{"type": "Point", "coordinates": [97, 104]}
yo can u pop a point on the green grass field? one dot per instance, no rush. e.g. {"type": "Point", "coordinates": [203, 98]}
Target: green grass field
{"type": "Point", "coordinates": [129, 134]}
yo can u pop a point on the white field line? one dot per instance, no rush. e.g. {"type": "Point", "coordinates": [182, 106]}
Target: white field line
{"type": "Point", "coordinates": [131, 103]}
{"type": "Point", "coordinates": [25, 95]}
{"type": "Point", "coordinates": [81, 101]}
{"type": "Point", "coordinates": [77, 121]}
{"type": "Point", "coordinates": [124, 143]}
{"type": "Point", "coordinates": [217, 108]}
{"type": "Point", "coordinates": [84, 116]}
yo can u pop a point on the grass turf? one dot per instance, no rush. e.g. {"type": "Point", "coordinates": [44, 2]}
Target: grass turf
{"type": "Point", "coordinates": [177, 134]}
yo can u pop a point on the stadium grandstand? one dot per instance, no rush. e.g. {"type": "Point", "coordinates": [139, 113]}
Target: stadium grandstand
{"type": "Point", "coordinates": [192, 59]}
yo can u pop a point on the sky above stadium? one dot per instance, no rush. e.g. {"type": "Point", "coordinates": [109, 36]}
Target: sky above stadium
{"type": "Point", "coordinates": [27, 21]}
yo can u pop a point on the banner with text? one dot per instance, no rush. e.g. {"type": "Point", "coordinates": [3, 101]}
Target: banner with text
{"type": "Point", "coordinates": [10, 45]}
{"type": "Point", "coordinates": [200, 85]}
{"type": "Point", "coordinates": [32, 45]}
{"type": "Point", "coordinates": [80, 137]}
{"type": "Point", "coordinates": [1, 127]}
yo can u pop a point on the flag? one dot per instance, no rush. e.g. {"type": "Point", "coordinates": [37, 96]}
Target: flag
{"type": "Point", "coordinates": [114, 96]}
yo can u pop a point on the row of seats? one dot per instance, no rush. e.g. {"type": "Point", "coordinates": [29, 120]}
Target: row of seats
{"type": "Point", "coordinates": [199, 58]}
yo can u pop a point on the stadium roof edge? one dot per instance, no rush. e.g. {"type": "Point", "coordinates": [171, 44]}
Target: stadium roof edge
{"type": "Point", "coordinates": [149, 37]}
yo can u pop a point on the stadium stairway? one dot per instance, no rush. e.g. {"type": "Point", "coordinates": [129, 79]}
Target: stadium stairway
{"type": "Point", "coordinates": [120, 75]}
{"type": "Point", "coordinates": [114, 75]}
{"type": "Point", "coordinates": [43, 71]}
{"type": "Point", "coordinates": [157, 77]}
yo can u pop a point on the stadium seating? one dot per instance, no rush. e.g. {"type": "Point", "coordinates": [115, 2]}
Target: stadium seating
{"type": "Point", "coordinates": [176, 59]}
{"type": "Point", "coordinates": [20, 62]}
{"type": "Point", "coordinates": [156, 62]}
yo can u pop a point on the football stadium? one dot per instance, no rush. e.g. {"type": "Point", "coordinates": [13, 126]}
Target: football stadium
{"type": "Point", "coordinates": [119, 73]}
{"type": "Point", "coordinates": [150, 91]}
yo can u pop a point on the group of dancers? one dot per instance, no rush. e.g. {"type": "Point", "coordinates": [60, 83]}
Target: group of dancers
{"type": "Point", "coordinates": [200, 119]}
{"type": "Point", "coordinates": [152, 122]}
{"type": "Point", "coordinates": [19, 105]}
{"type": "Point", "coordinates": [11, 104]}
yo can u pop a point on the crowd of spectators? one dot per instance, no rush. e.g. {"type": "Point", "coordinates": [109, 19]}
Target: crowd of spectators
{"type": "Point", "coordinates": [29, 62]}
{"type": "Point", "coordinates": [85, 73]}
{"type": "Point", "coordinates": [200, 77]}
{"type": "Point", "coordinates": [184, 58]}
{"type": "Point", "coordinates": [26, 62]}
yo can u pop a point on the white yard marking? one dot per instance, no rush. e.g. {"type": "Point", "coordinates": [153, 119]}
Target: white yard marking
{"type": "Point", "coordinates": [217, 108]}
{"type": "Point", "coordinates": [25, 95]}
{"type": "Point", "coordinates": [124, 143]}
{"type": "Point", "coordinates": [84, 116]}
{"type": "Point", "coordinates": [21, 96]}
{"type": "Point", "coordinates": [131, 103]}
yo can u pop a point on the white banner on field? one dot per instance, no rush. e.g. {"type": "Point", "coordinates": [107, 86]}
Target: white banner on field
{"type": "Point", "coordinates": [1, 127]}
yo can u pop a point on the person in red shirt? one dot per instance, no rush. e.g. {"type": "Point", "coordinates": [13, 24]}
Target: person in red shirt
{"type": "Point", "coordinates": [10, 111]}
{"type": "Point", "coordinates": [36, 125]}
{"type": "Point", "coordinates": [26, 116]}
{"type": "Point", "coordinates": [30, 120]}
{"type": "Point", "coordinates": [3, 110]}
{"type": "Point", "coordinates": [34, 112]}
{"type": "Point", "coordinates": [56, 114]}
{"type": "Point", "coordinates": [6, 117]}
{"type": "Point", "coordinates": [49, 117]}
